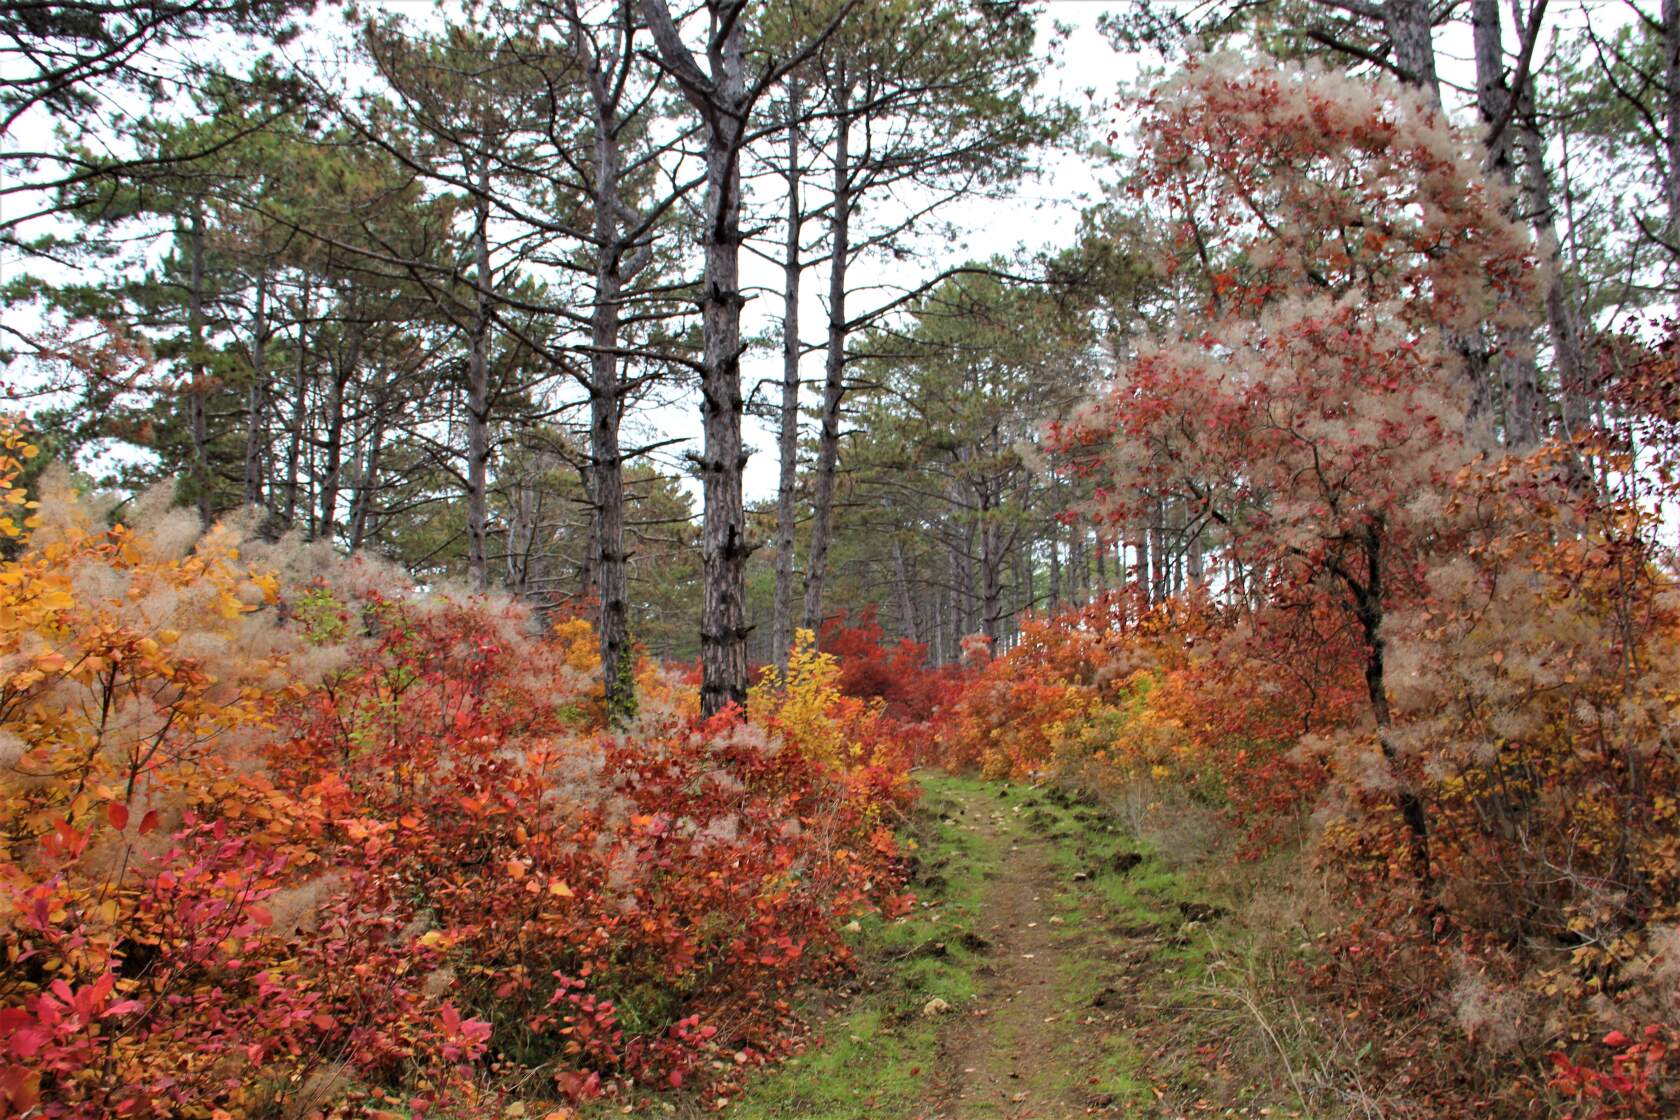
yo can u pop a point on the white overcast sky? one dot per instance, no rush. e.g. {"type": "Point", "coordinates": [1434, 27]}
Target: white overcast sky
{"type": "Point", "coordinates": [1040, 212]}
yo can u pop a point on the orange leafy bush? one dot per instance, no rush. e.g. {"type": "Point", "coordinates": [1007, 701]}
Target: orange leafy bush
{"type": "Point", "coordinates": [284, 837]}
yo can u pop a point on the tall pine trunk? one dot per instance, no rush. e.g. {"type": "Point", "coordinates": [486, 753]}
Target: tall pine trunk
{"type": "Point", "coordinates": [901, 581]}
{"type": "Point", "coordinates": [1671, 114]}
{"type": "Point", "coordinates": [256, 401]}
{"type": "Point", "coordinates": [722, 100]}
{"type": "Point", "coordinates": [478, 395]}
{"type": "Point", "coordinates": [787, 444]}
{"type": "Point", "coordinates": [834, 364]}
{"type": "Point", "coordinates": [606, 473]}
{"type": "Point", "coordinates": [198, 390]}
{"type": "Point", "coordinates": [1410, 31]}
{"type": "Point", "coordinates": [300, 407]}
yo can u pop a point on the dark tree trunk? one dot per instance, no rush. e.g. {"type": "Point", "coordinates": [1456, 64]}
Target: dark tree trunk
{"type": "Point", "coordinates": [332, 450]}
{"type": "Point", "coordinates": [1367, 594]}
{"type": "Point", "coordinates": [1492, 91]}
{"type": "Point", "coordinates": [1079, 578]}
{"type": "Point", "coordinates": [361, 510]}
{"type": "Point", "coordinates": [991, 570]}
{"type": "Point", "coordinates": [198, 390]}
{"type": "Point", "coordinates": [256, 429]}
{"type": "Point", "coordinates": [300, 406]}
{"type": "Point", "coordinates": [1158, 580]}
{"type": "Point", "coordinates": [1514, 361]}
{"type": "Point", "coordinates": [787, 443]}
{"type": "Point", "coordinates": [722, 101]}
{"type": "Point", "coordinates": [606, 410]}
{"type": "Point", "coordinates": [1410, 31]}
{"type": "Point", "coordinates": [834, 363]}
{"type": "Point", "coordinates": [1055, 569]}
{"type": "Point", "coordinates": [1671, 113]}
{"type": "Point", "coordinates": [1142, 571]}
{"type": "Point", "coordinates": [1021, 569]}
{"type": "Point", "coordinates": [1563, 320]}
{"type": "Point", "coordinates": [906, 601]}
{"type": "Point", "coordinates": [478, 396]}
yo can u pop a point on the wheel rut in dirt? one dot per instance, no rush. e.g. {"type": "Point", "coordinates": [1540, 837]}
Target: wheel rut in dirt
{"type": "Point", "coordinates": [1016, 1052]}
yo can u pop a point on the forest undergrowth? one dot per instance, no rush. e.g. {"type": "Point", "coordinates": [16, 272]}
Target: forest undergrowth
{"type": "Point", "coordinates": [1210, 646]}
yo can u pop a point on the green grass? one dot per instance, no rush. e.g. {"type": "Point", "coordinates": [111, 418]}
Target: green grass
{"type": "Point", "coordinates": [874, 1058]}
{"type": "Point", "coordinates": [878, 1055]}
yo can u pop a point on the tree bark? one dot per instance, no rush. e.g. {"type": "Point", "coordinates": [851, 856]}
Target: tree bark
{"type": "Point", "coordinates": [787, 443]}
{"type": "Point", "coordinates": [1563, 320]}
{"type": "Point", "coordinates": [834, 363]}
{"type": "Point", "coordinates": [1159, 580]}
{"type": "Point", "coordinates": [1144, 579]}
{"type": "Point", "coordinates": [300, 405]}
{"type": "Point", "coordinates": [198, 390]}
{"type": "Point", "coordinates": [722, 101]}
{"type": "Point", "coordinates": [1055, 569]}
{"type": "Point", "coordinates": [1671, 111]}
{"type": "Point", "coordinates": [991, 570]}
{"type": "Point", "coordinates": [1079, 572]}
{"type": "Point", "coordinates": [478, 394]}
{"type": "Point", "coordinates": [1367, 594]}
{"type": "Point", "coordinates": [906, 601]}
{"type": "Point", "coordinates": [256, 402]}
{"type": "Point", "coordinates": [1411, 32]}
{"type": "Point", "coordinates": [361, 508]}
{"type": "Point", "coordinates": [333, 448]}
{"type": "Point", "coordinates": [1518, 376]}
{"type": "Point", "coordinates": [1492, 91]}
{"type": "Point", "coordinates": [1020, 562]}
{"type": "Point", "coordinates": [606, 410]}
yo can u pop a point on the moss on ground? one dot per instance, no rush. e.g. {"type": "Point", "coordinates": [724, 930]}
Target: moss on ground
{"type": "Point", "coordinates": [876, 1056]}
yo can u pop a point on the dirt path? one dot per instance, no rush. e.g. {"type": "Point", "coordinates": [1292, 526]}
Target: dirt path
{"type": "Point", "coordinates": [1015, 988]}
{"type": "Point", "coordinates": [1015, 1053]}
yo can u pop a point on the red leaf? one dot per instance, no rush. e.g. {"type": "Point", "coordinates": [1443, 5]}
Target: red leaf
{"type": "Point", "coordinates": [117, 813]}
{"type": "Point", "coordinates": [260, 915]}
{"type": "Point", "coordinates": [148, 822]}
{"type": "Point", "coordinates": [29, 1040]}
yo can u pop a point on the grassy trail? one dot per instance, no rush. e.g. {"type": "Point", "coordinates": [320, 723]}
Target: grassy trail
{"type": "Point", "coordinates": [1020, 989]}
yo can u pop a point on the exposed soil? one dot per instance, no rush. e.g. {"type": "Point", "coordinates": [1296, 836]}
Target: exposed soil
{"type": "Point", "coordinates": [1017, 1052]}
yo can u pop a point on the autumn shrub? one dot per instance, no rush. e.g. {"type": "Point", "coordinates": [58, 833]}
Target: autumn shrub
{"type": "Point", "coordinates": [1455, 654]}
{"type": "Point", "coordinates": [913, 696]}
{"type": "Point", "coordinates": [286, 836]}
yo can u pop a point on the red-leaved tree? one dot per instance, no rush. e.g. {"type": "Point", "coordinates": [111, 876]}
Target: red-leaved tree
{"type": "Point", "coordinates": [1315, 408]}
